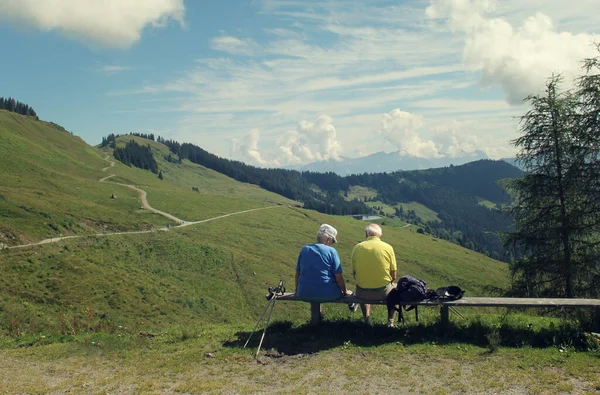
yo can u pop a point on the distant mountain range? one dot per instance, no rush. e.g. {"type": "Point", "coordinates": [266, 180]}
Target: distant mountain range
{"type": "Point", "coordinates": [386, 162]}
{"type": "Point", "coordinates": [514, 162]}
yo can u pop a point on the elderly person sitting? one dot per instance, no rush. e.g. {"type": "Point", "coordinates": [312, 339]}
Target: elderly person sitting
{"type": "Point", "coordinates": [319, 270]}
{"type": "Point", "coordinates": [374, 268]}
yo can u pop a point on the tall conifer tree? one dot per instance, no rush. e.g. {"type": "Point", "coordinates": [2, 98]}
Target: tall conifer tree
{"type": "Point", "coordinates": [557, 202]}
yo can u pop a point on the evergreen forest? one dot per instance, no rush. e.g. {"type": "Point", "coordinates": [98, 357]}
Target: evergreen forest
{"type": "Point", "coordinates": [12, 105]}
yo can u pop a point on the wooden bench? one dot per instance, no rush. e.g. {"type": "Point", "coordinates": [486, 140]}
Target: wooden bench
{"type": "Point", "coordinates": [315, 308]}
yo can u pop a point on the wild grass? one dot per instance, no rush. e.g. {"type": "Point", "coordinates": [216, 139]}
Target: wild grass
{"type": "Point", "coordinates": [340, 353]}
{"type": "Point", "coordinates": [487, 203]}
{"type": "Point", "coordinates": [217, 271]}
{"type": "Point", "coordinates": [360, 193]}
{"type": "Point", "coordinates": [423, 212]}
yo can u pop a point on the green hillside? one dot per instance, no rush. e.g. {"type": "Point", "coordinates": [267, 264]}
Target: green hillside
{"type": "Point", "coordinates": [215, 271]}
{"type": "Point", "coordinates": [50, 187]}
{"type": "Point", "coordinates": [450, 195]}
{"type": "Point", "coordinates": [169, 310]}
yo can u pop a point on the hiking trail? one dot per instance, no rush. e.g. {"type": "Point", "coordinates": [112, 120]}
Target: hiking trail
{"type": "Point", "coordinates": [142, 195]}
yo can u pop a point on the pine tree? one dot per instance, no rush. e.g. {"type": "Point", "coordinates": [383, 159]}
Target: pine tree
{"type": "Point", "coordinates": [555, 210]}
{"type": "Point", "coordinates": [160, 175]}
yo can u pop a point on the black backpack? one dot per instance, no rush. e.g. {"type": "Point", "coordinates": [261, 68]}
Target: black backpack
{"type": "Point", "coordinates": [409, 289]}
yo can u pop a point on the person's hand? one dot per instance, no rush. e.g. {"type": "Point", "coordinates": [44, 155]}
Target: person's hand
{"type": "Point", "coordinates": [349, 293]}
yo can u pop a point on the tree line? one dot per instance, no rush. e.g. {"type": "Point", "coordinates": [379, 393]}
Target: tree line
{"type": "Point", "coordinates": [289, 183]}
{"type": "Point", "coordinates": [137, 155]}
{"type": "Point", "coordinates": [110, 140]}
{"type": "Point", "coordinates": [12, 105]}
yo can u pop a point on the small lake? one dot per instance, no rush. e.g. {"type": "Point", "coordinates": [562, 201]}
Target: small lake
{"type": "Point", "coordinates": [365, 217]}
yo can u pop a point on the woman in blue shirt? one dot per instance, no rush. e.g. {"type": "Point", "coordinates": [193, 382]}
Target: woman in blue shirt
{"type": "Point", "coordinates": [319, 270]}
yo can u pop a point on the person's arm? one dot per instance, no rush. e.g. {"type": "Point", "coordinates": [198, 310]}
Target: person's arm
{"type": "Point", "coordinates": [339, 279]}
{"type": "Point", "coordinates": [353, 260]}
{"type": "Point", "coordinates": [393, 265]}
{"type": "Point", "coordinates": [299, 266]}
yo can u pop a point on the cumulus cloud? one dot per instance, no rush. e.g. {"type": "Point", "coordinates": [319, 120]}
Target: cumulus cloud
{"type": "Point", "coordinates": [413, 135]}
{"type": "Point", "coordinates": [456, 139]}
{"type": "Point", "coordinates": [409, 134]}
{"type": "Point", "coordinates": [248, 149]}
{"type": "Point", "coordinates": [311, 141]}
{"type": "Point", "coordinates": [114, 23]}
{"type": "Point", "coordinates": [322, 136]}
{"type": "Point", "coordinates": [519, 59]}
{"type": "Point", "coordinates": [294, 149]}
{"type": "Point", "coordinates": [401, 129]}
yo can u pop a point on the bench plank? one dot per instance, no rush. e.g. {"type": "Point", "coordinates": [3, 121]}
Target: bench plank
{"type": "Point", "coordinates": [475, 301]}
{"type": "Point", "coordinates": [467, 301]}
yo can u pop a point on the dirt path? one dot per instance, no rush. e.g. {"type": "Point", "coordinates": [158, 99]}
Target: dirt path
{"type": "Point", "coordinates": [144, 200]}
{"type": "Point", "coordinates": [112, 164]}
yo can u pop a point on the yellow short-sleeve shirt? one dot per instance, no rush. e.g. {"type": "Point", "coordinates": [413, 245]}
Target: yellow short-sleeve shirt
{"type": "Point", "coordinates": [372, 262]}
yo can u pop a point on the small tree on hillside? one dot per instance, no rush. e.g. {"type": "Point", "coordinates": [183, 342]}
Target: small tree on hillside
{"type": "Point", "coordinates": [557, 202]}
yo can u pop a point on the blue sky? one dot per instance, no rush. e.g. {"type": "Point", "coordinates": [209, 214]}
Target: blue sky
{"type": "Point", "coordinates": [281, 82]}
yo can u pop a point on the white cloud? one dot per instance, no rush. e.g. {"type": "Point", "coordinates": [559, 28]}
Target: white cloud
{"type": "Point", "coordinates": [311, 141]}
{"type": "Point", "coordinates": [234, 45]}
{"type": "Point", "coordinates": [456, 139]}
{"type": "Point", "coordinates": [519, 59]}
{"type": "Point", "coordinates": [293, 148]}
{"type": "Point", "coordinates": [113, 23]}
{"type": "Point", "coordinates": [414, 135]}
{"type": "Point", "coordinates": [401, 130]}
{"type": "Point", "coordinates": [250, 151]}
{"type": "Point", "coordinates": [112, 69]}
{"type": "Point", "coordinates": [323, 136]}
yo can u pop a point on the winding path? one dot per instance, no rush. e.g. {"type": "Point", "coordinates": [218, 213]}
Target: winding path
{"type": "Point", "coordinates": [143, 198]}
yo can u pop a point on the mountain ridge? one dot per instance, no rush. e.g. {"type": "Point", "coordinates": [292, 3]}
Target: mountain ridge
{"type": "Point", "coordinates": [380, 162]}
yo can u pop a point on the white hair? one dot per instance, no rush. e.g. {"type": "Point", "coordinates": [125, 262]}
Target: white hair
{"type": "Point", "coordinates": [322, 238]}
{"type": "Point", "coordinates": [373, 230]}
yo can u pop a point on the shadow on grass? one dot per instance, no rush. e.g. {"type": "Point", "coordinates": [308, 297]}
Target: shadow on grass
{"type": "Point", "coordinates": [306, 339]}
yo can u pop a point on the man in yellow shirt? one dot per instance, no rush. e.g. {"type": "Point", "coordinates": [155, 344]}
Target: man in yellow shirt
{"type": "Point", "coordinates": [374, 268]}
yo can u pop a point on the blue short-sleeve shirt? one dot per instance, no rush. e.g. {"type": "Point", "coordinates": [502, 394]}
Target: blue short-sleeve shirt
{"type": "Point", "coordinates": [318, 264]}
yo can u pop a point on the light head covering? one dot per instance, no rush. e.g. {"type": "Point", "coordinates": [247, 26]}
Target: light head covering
{"type": "Point", "coordinates": [327, 231]}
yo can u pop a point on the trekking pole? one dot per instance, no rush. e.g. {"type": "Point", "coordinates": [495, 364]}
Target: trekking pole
{"type": "Point", "coordinates": [259, 320]}
{"type": "Point", "coordinates": [455, 311]}
{"type": "Point", "coordinates": [266, 326]}
{"type": "Point", "coordinates": [271, 297]}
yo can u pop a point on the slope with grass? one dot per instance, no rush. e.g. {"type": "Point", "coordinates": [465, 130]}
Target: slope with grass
{"type": "Point", "coordinates": [217, 270]}
{"type": "Point", "coordinates": [51, 187]}
{"type": "Point", "coordinates": [169, 311]}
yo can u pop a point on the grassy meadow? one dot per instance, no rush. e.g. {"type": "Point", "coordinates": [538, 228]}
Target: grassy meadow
{"type": "Point", "coordinates": [169, 311]}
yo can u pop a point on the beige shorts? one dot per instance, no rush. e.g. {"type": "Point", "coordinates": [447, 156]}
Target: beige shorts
{"type": "Point", "coordinates": [374, 294]}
